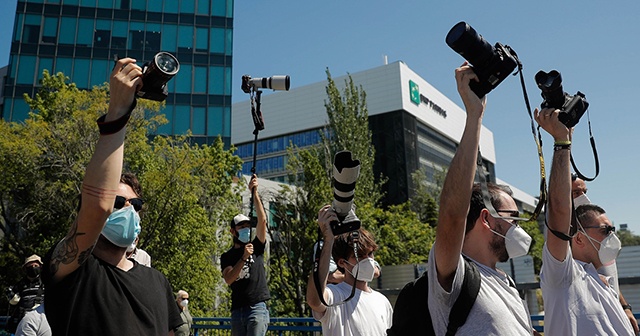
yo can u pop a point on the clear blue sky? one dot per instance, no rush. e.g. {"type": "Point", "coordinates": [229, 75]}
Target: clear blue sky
{"type": "Point", "coordinates": [592, 43]}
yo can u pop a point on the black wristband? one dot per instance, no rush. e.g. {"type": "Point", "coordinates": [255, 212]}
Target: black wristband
{"type": "Point", "coordinates": [563, 146]}
{"type": "Point", "coordinates": [626, 306]}
{"type": "Point", "coordinates": [111, 127]}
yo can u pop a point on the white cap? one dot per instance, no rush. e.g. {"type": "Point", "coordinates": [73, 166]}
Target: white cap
{"type": "Point", "coordinates": [239, 219]}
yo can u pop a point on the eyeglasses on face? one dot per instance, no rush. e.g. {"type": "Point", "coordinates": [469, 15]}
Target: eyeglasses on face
{"type": "Point", "coordinates": [513, 216]}
{"type": "Point", "coordinates": [121, 201]}
{"type": "Point", "coordinates": [606, 230]}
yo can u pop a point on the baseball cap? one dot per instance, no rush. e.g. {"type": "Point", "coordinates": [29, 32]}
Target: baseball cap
{"type": "Point", "coordinates": [239, 219]}
{"type": "Point", "coordinates": [33, 257]}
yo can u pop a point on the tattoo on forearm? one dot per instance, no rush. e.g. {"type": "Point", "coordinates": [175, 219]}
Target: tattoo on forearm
{"type": "Point", "coordinates": [67, 250]}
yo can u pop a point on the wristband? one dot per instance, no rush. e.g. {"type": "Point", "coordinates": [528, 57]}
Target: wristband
{"type": "Point", "coordinates": [561, 146]}
{"type": "Point", "coordinates": [626, 306]}
{"type": "Point", "coordinates": [564, 142]}
{"type": "Point", "coordinates": [114, 126]}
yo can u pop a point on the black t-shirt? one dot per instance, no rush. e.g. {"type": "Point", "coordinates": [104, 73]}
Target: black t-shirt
{"type": "Point", "coordinates": [31, 293]}
{"type": "Point", "coordinates": [101, 299]}
{"type": "Point", "coordinates": [251, 286]}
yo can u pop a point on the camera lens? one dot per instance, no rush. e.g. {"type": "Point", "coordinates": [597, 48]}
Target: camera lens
{"type": "Point", "coordinates": [166, 63]}
{"type": "Point", "coordinates": [551, 86]}
{"type": "Point", "coordinates": [464, 40]}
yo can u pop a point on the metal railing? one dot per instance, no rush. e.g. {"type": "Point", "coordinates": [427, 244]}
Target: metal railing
{"type": "Point", "coordinates": [279, 326]}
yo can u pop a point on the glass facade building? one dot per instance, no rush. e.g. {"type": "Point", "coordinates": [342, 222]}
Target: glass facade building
{"type": "Point", "coordinates": [81, 38]}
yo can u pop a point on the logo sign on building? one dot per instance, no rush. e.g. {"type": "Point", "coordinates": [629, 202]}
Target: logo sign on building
{"type": "Point", "coordinates": [417, 98]}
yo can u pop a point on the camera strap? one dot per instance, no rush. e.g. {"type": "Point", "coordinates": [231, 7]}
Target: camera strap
{"type": "Point", "coordinates": [595, 155]}
{"type": "Point", "coordinates": [316, 266]}
{"type": "Point", "coordinates": [542, 200]}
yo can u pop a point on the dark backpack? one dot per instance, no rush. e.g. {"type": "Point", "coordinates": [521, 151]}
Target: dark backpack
{"type": "Point", "coordinates": [411, 312]}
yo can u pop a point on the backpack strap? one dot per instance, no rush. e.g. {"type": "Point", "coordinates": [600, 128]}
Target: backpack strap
{"type": "Point", "coordinates": [467, 298]}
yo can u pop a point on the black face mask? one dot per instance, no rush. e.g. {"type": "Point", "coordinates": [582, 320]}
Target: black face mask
{"type": "Point", "coordinates": [33, 272]}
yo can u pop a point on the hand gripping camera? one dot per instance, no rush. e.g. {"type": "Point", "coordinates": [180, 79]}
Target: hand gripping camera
{"type": "Point", "coordinates": [491, 64]}
{"type": "Point", "coordinates": [156, 74]}
{"type": "Point", "coordinates": [571, 107]}
{"type": "Point", "coordinates": [345, 174]}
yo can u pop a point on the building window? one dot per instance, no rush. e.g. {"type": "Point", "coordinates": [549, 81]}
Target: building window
{"type": "Point", "coordinates": [101, 38]}
{"type": "Point", "coordinates": [198, 121]}
{"type": "Point", "coordinates": [152, 41]}
{"type": "Point", "coordinates": [50, 32]}
{"type": "Point", "coordinates": [31, 34]}
{"type": "Point", "coordinates": [136, 40]}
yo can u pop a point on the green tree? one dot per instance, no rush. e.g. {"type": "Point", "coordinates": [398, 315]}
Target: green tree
{"type": "Point", "coordinates": [187, 188]}
{"type": "Point", "coordinates": [426, 195]}
{"type": "Point", "coordinates": [628, 238]}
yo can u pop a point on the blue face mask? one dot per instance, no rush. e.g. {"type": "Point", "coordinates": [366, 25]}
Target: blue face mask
{"type": "Point", "coordinates": [123, 226]}
{"type": "Point", "coordinates": [244, 235]}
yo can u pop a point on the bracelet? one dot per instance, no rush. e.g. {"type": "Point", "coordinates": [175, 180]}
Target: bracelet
{"type": "Point", "coordinates": [114, 126]}
{"type": "Point", "coordinates": [626, 306]}
{"type": "Point", "coordinates": [563, 142]}
{"type": "Point", "coordinates": [561, 146]}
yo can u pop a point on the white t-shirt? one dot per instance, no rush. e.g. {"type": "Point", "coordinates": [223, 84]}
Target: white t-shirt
{"type": "Point", "coordinates": [498, 309]}
{"type": "Point", "coordinates": [577, 302]}
{"type": "Point", "coordinates": [366, 314]}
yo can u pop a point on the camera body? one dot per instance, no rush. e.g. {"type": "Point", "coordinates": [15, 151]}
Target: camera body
{"type": "Point", "coordinates": [492, 64]}
{"type": "Point", "coordinates": [156, 74]}
{"type": "Point", "coordinates": [571, 107]}
{"type": "Point", "coordinates": [279, 82]}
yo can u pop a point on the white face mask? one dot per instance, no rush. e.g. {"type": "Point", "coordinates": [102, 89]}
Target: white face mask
{"type": "Point", "coordinates": [184, 303]}
{"type": "Point", "coordinates": [609, 249]}
{"type": "Point", "coordinates": [365, 269]}
{"type": "Point", "coordinates": [517, 241]}
{"type": "Point", "coordinates": [581, 200]}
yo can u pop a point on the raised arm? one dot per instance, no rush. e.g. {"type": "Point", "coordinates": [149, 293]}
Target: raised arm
{"type": "Point", "coordinates": [102, 175]}
{"type": "Point", "coordinates": [559, 206]}
{"type": "Point", "coordinates": [456, 190]}
{"type": "Point", "coordinates": [325, 216]}
{"type": "Point", "coordinates": [261, 229]}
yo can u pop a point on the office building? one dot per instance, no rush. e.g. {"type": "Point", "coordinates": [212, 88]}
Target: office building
{"type": "Point", "coordinates": [414, 126]}
{"type": "Point", "coordinates": [81, 38]}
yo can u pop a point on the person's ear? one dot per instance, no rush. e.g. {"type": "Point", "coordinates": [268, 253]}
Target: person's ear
{"type": "Point", "coordinates": [484, 216]}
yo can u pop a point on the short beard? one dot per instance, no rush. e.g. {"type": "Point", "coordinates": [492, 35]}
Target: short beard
{"type": "Point", "coordinates": [499, 248]}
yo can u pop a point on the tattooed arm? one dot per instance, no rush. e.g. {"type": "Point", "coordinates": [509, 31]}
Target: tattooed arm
{"type": "Point", "coordinates": [101, 178]}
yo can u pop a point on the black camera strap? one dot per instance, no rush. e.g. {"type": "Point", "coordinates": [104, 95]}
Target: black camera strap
{"type": "Point", "coordinates": [595, 155]}
{"type": "Point", "coordinates": [316, 266]}
{"type": "Point", "coordinates": [538, 140]}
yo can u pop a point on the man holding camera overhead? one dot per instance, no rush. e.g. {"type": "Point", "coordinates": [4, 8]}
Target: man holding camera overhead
{"type": "Point", "coordinates": [467, 228]}
{"type": "Point", "coordinates": [368, 313]}
{"type": "Point", "coordinates": [243, 270]}
{"type": "Point", "coordinates": [91, 287]}
{"type": "Point", "coordinates": [577, 300]}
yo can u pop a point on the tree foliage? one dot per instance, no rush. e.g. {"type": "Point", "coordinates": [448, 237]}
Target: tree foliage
{"type": "Point", "coordinates": [187, 188]}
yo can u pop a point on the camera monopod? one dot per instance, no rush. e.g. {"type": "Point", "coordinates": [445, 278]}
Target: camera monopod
{"type": "Point", "coordinates": [258, 122]}
{"type": "Point", "coordinates": [251, 86]}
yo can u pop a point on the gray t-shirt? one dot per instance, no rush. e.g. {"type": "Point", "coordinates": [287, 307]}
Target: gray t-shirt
{"type": "Point", "coordinates": [498, 309]}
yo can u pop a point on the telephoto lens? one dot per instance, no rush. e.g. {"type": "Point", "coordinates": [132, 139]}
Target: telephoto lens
{"type": "Point", "coordinates": [464, 40]}
{"type": "Point", "coordinates": [345, 174]}
{"type": "Point", "coordinates": [551, 86]}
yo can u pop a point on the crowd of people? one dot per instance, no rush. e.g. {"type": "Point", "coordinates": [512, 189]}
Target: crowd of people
{"type": "Point", "coordinates": [96, 281]}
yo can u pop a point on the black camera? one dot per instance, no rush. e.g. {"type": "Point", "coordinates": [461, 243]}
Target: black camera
{"type": "Point", "coordinates": [281, 83]}
{"type": "Point", "coordinates": [491, 64]}
{"type": "Point", "coordinates": [571, 107]}
{"type": "Point", "coordinates": [156, 74]}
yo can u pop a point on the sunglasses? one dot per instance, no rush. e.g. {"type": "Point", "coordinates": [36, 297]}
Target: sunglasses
{"type": "Point", "coordinates": [121, 201]}
{"type": "Point", "coordinates": [606, 230]}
